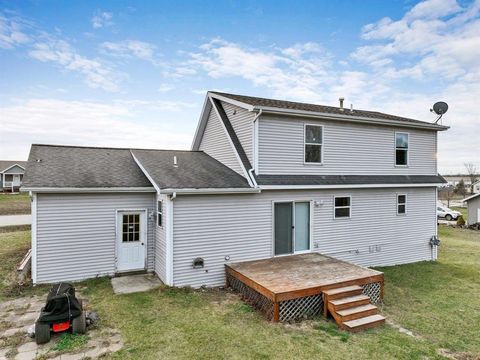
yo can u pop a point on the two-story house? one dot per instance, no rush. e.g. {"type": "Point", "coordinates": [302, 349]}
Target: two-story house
{"type": "Point", "coordinates": [264, 178]}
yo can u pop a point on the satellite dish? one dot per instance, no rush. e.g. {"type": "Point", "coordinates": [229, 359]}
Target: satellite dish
{"type": "Point", "coordinates": [439, 108]}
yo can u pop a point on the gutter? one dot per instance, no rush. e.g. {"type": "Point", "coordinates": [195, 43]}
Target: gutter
{"type": "Point", "coordinates": [207, 191]}
{"type": "Point", "coordinates": [360, 119]}
{"type": "Point", "coordinates": [87, 190]}
{"type": "Point", "coordinates": [345, 186]}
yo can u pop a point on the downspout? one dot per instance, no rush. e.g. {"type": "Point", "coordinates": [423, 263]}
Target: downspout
{"type": "Point", "coordinates": [169, 250]}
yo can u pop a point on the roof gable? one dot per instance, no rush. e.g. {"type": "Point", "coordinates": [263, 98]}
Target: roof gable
{"type": "Point", "coordinates": [8, 164]}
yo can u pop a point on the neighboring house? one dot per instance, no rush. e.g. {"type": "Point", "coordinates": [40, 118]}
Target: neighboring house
{"type": "Point", "coordinates": [453, 180]}
{"type": "Point", "coordinates": [473, 208]}
{"type": "Point", "coordinates": [476, 187]}
{"type": "Point", "coordinates": [264, 178]}
{"type": "Point", "coordinates": [11, 175]}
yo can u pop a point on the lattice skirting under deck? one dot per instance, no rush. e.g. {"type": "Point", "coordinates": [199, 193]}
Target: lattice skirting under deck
{"type": "Point", "coordinates": [296, 309]}
{"type": "Point", "coordinates": [252, 297]}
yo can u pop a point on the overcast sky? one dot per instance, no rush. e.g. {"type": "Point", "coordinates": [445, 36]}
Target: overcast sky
{"type": "Point", "coordinates": [135, 74]}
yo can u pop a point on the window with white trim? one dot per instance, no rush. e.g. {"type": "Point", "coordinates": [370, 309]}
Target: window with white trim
{"type": "Point", "coordinates": [401, 204]}
{"type": "Point", "coordinates": [159, 213]}
{"type": "Point", "coordinates": [401, 149]}
{"type": "Point", "coordinates": [313, 144]}
{"type": "Point", "coordinates": [342, 206]}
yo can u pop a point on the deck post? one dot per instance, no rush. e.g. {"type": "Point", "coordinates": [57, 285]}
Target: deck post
{"type": "Point", "coordinates": [276, 311]}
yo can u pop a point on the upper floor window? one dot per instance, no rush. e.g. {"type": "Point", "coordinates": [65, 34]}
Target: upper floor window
{"type": "Point", "coordinates": [401, 149]}
{"type": "Point", "coordinates": [313, 144]}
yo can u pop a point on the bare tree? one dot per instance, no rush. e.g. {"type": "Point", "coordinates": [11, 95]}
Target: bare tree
{"type": "Point", "coordinates": [472, 174]}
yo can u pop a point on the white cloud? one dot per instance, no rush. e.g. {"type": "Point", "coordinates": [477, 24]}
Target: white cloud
{"type": "Point", "coordinates": [163, 88]}
{"type": "Point", "coordinates": [115, 123]}
{"type": "Point", "coordinates": [102, 19]}
{"type": "Point", "coordinates": [297, 72]}
{"type": "Point", "coordinates": [97, 74]}
{"type": "Point", "coordinates": [11, 32]}
{"type": "Point", "coordinates": [131, 48]}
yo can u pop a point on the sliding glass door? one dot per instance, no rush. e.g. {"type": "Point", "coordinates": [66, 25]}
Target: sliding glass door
{"type": "Point", "coordinates": [291, 227]}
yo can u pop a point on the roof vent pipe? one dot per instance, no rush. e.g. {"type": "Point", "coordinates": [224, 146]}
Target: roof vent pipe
{"type": "Point", "coordinates": [341, 99]}
{"type": "Point", "coordinates": [175, 161]}
{"type": "Point", "coordinates": [351, 107]}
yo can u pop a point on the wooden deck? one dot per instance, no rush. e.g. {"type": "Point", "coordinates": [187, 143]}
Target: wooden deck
{"type": "Point", "coordinates": [285, 278]}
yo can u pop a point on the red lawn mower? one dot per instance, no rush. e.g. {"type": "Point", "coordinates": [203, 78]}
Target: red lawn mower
{"type": "Point", "coordinates": [62, 312]}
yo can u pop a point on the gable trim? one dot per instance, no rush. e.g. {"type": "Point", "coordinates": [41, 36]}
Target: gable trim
{"type": "Point", "coordinates": [12, 166]}
{"type": "Point", "coordinates": [232, 145]}
{"type": "Point", "coordinates": [145, 172]}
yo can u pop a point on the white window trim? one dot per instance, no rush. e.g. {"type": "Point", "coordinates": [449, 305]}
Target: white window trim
{"type": "Point", "coordinates": [160, 213]}
{"type": "Point", "coordinates": [342, 207]}
{"type": "Point", "coordinates": [322, 145]}
{"type": "Point", "coordinates": [310, 240]}
{"type": "Point", "coordinates": [406, 200]}
{"type": "Point", "coordinates": [395, 149]}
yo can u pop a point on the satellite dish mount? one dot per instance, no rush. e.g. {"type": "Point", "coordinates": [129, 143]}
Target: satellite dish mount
{"type": "Point", "coordinates": [439, 108]}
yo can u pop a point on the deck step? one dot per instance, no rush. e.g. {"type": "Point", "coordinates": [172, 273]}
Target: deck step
{"type": "Point", "coordinates": [349, 302]}
{"type": "Point", "coordinates": [342, 292]}
{"type": "Point", "coordinates": [364, 323]}
{"type": "Point", "coordinates": [357, 312]}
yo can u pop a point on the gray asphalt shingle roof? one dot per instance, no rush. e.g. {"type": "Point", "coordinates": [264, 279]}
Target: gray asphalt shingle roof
{"type": "Point", "coordinates": [194, 170]}
{"type": "Point", "coordinates": [82, 167]}
{"type": "Point", "coordinates": [291, 105]}
{"type": "Point", "coordinates": [5, 164]}
{"type": "Point", "coordinates": [348, 179]}
{"type": "Point", "coordinates": [94, 167]}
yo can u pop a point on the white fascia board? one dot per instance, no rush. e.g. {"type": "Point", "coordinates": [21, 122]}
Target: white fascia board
{"type": "Point", "coordinates": [352, 186]}
{"type": "Point", "coordinates": [197, 138]}
{"type": "Point", "coordinates": [206, 191]}
{"type": "Point", "coordinates": [88, 190]}
{"type": "Point", "coordinates": [12, 167]}
{"type": "Point", "coordinates": [145, 172]}
{"type": "Point", "coordinates": [360, 119]}
{"type": "Point", "coordinates": [471, 197]}
{"type": "Point", "coordinates": [231, 101]}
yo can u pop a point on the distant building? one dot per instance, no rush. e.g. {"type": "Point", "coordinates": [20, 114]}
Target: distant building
{"type": "Point", "coordinates": [453, 180]}
{"type": "Point", "coordinates": [11, 175]}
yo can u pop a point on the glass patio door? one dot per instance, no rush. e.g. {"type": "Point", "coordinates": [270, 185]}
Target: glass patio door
{"type": "Point", "coordinates": [292, 227]}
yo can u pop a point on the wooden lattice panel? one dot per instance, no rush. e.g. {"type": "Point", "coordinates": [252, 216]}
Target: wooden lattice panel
{"type": "Point", "coordinates": [301, 308]}
{"type": "Point", "coordinates": [373, 290]}
{"type": "Point", "coordinates": [252, 297]}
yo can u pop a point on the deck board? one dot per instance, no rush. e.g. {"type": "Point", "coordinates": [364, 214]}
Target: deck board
{"type": "Point", "coordinates": [297, 273]}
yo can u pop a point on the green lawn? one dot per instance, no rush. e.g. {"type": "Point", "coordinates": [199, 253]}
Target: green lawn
{"type": "Point", "coordinates": [12, 204]}
{"type": "Point", "coordinates": [439, 302]}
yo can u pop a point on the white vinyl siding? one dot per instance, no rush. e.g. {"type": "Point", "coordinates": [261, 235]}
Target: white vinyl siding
{"type": "Point", "coordinates": [215, 143]}
{"type": "Point", "coordinates": [348, 148]}
{"type": "Point", "coordinates": [161, 242]}
{"type": "Point", "coordinates": [76, 234]}
{"type": "Point", "coordinates": [242, 122]}
{"type": "Point", "coordinates": [241, 227]}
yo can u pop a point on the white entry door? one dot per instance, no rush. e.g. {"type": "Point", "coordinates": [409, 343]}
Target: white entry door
{"type": "Point", "coordinates": [131, 240]}
{"type": "Point", "coordinates": [16, 180]}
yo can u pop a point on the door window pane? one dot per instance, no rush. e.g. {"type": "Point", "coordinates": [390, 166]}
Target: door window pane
{"type": "Point", "coordinates": [302, 226]}
{"type": "Point", "coordinates": [283, 213]}
{"type": "Point", "coordinates": [131, 227]}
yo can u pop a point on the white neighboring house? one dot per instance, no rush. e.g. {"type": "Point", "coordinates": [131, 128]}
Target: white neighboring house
{"type": "Point", "coordinates": [476, 187]}
{"type": "Point", "coordinates": [11, 175]}
{"type": "Point", "coordinates": [264, 178]}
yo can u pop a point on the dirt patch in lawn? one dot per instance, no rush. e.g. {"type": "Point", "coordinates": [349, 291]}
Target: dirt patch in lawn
{"type": "Point", "coordinates": [449, 354]}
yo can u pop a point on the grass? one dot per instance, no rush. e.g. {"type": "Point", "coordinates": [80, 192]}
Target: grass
{"type": "Point", "coordinates": [69, 342]}
{"type": "Point", "coordinates": [14, 204]}
{"type": "Point", "coordinates": [438, 302]}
